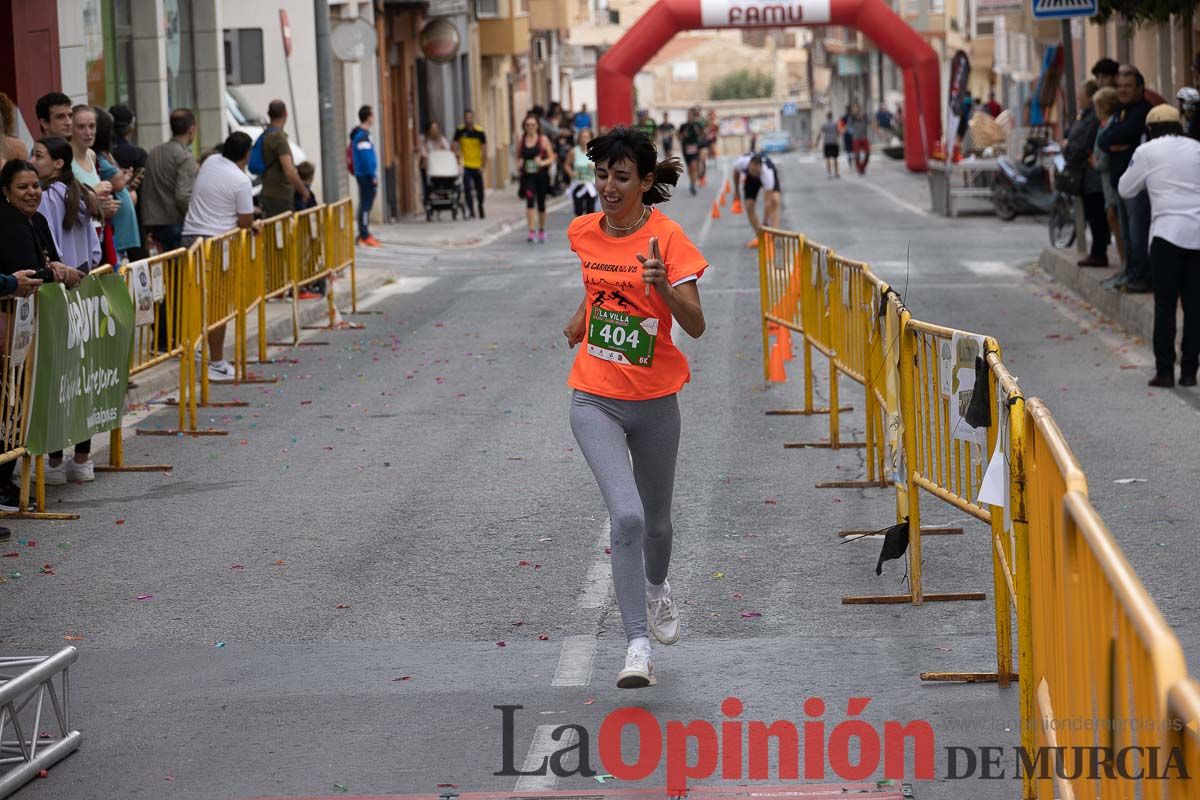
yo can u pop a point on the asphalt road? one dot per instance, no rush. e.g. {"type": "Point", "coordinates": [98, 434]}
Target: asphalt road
{"type": "Point", "coordinates": [401, 534]}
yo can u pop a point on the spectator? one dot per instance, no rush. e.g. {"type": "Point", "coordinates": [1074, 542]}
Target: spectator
{"type": "Point", "coordinates": [25, 261]}
{"type": "Point", "coordinates": [1081, 142]}
{"type": "Point", "coordinates": [68, 206]}
{"type": "Point", "coordinates": [582, 119]}
{"type": "Point", "coordinates": [860, 138]}
{"type": "Point", "coordinates": [550, 123]}
{"type": "Point", "coordinates": [54, 115]}
{"type": "Point", "coordinates": [470, 142]}
{"type": "Point", "coordinates": [666, 137]}
{"type": "Point", "coordinates": [127, 154]}
{"type": "Point", "coordinates": [1168, 167]}
{"type": "Point", "coordinates": [308, 174]}
{"type": "Point", "coordinates": [1118, 140]}
{"type": "Point", "coordinates": [280, 180]}
{"type": "Point", "coordinates": [993, 108]}
{"type": "Point", "coordinates": [883, 120]}
{"type": "Point", "coordinates": [1106, 104]}
{"type": "Point", "coordinates": [167, 182]}
{"type": "Point", "coordinates": [1189, 110]}
{"type": "Point", "coordinates": [1105, 72]}
{"type": "Point", "coordinates": [366, 169]}
{"type": "Point", "coordinates": [10, 145]}
{"type": "Point", "coordinates": [221, 199]}
{"type": "Point", "coordinates": [83, 164]}
{"type": "Point", "coordinates": [583, 175]}
{"type": "Point", "coordinates": [966, 106]}
{"type": "Point", "coordinates": [433, 139]}
{"type": "Point", "coordinates": [847, 136]}
{"type": "Point", "coordinates": [127, 238]}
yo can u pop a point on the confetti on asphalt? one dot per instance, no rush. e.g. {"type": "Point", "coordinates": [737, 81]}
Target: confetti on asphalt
{"type": "Point", "coordinates": [341, 605]}
{"type": "Point", "coordinates": [751, 614]}
{"type": "Point", "coordinates": [1130, 480]}
{"type": "Point", "coordinates": [771, 502]}
{"type": "Point", "coordinates": [719, 575]}
{"type": "Point", "coordinates": [402, 678]}
{"type": "Point", "coordinates": [71, 638]}
{"type": "Point", "coordinates": [501, 644]}
{"type": "Point", "coordinates": [145, 597]}
{"type": "Point", "coordinates": [218, 644]}
{"type": "Point", "coordinates": [543, 637]}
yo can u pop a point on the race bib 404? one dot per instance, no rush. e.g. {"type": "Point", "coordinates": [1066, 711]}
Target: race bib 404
{"type": "Point", "coordinates": [621, 338]}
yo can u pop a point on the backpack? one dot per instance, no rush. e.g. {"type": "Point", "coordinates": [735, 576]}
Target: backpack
{"type": "Point", "coordinates": [257, 166]}
{"type": "Point", "coordinates": [350, 151]}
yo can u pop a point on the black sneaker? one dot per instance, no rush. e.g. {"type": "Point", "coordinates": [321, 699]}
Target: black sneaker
{"type": "Point", "coordinates": [1137, 287]}
{"type": "Point", "coordinates": [10, 498]}
{"type": "Point", "coordinates": [1188, 379]}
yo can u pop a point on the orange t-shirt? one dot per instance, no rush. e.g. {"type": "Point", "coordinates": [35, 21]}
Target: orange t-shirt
{"type": "Point", "coordinates": [627, 352]}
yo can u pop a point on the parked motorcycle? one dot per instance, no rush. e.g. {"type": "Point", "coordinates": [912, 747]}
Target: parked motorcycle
{"type": "Point", "coordinates": [1027, 186]}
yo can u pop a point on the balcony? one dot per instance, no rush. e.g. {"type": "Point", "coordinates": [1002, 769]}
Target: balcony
{"type": "Point", "coordinates": [507, 36]}
{"type": "Point", "coordinates": [551, 15]}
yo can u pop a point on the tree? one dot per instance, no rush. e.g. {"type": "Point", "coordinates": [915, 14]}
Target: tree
{"type": "Point", "coordinates": [742, 85]}
{"type": "Point", "coordinates": [1146, 12]}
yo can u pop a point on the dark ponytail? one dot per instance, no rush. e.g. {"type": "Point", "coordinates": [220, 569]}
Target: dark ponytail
{"type": "Point", "coordinates": [624, 143]}
{"type": "Point", "coordinates": [76, 194]}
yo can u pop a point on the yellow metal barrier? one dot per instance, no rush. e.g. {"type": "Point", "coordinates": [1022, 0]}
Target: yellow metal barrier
{"type": "Point", "coordinates": [221, 300]}
{"type": "Point", "coordinates": [278, 267]}
{"type": "Point", "coordinates": [308, 253]}
{"type": "Point", "coordinates": [15, 389]}
{"type": "Point", "coordinates": [1183, 735]}
{"type": "Point", "coordinates": [339, 247]}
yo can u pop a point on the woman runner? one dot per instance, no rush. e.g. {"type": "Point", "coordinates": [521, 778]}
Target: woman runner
{"type": "Point", "coordinates": [536, 156]}
{"type": "Point", "coordinates": [639, 271]}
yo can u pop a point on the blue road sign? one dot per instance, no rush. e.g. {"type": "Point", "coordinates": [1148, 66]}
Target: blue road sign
{"type": "Point", "coordinates": [1061, 9]}
{"type": "Point", "coordinates": [789, 109]}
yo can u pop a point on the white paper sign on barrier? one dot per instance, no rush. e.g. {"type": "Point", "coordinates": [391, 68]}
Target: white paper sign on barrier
{"type": "Point", "coordinates": [143, 293]}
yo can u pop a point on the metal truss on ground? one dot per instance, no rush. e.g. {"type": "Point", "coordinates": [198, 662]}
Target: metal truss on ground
{"type": "Point", "coordinates": [26, 683]}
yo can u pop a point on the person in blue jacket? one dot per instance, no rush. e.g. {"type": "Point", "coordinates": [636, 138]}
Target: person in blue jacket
{"type": "Point", "coordinates": [1119, 139]}
{"type": "Point", "coordinates": [365, 172]}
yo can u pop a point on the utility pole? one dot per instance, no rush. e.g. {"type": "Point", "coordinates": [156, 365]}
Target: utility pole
{"type": "Point", "coordinates": [329, 142]}
{"type": "Point", "coordinates": [1068, 74]}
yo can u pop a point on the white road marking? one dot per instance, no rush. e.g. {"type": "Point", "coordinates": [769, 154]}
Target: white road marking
{"type": "Point", "coordinates": [990, 268]}
{"type": "Point", "coordinates": [907, 206]}
{"type": "Point", "coordinates": [575, 661]}
{"type": "Point", "coordinates": [599, 575]}
{"type": "Point", "coordinates": [540, 749]}
{"type": "Point", "coordinates": [487, 283]}
{"type": "Point", "coordinates": [409, 284]}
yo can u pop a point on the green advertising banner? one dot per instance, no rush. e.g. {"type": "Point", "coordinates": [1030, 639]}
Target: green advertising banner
{"type": "Point", "coordinates": [84, 341]}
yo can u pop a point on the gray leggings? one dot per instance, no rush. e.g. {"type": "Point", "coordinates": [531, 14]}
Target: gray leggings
{"type": "Point", "coordinates": [631, 447]}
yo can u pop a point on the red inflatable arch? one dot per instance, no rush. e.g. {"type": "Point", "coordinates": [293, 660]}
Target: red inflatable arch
{"type": "Point", "coordinates": [922, 100]}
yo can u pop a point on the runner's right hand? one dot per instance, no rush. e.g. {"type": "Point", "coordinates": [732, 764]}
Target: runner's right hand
{"type": "Point", "coordinates": [574, 331]}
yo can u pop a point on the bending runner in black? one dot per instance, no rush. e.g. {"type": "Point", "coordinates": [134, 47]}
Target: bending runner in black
{"type": "Point", "coordinates": [758, 172]}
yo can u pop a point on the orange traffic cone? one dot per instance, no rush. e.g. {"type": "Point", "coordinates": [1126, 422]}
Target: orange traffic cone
{"type": "Point", "coordinates": [784, 337]}
{"type": "Point", "coordinates": [736, 208]}
{"type": "Point", "coordinates": [726, 188]}
{"type": "Point", "coordinates": [775, 369]}
{"type": "Point", "coordinates": [722, 198]}
{"type": "Point", "coordinates": [716, 210]}
{"type": "Point", "coordinates": [752, 244]}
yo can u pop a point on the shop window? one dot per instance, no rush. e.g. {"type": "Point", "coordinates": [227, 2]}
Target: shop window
{"type": "Point", "coordinates": [244, 56]}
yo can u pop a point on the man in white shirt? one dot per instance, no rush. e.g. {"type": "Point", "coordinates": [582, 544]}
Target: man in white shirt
{"type": "Point", "coordinates": [1168, 167]}
{"type": "Point", "coordinates": [222, 199]}
{"type": "Point", "coordinates": [757, 172]}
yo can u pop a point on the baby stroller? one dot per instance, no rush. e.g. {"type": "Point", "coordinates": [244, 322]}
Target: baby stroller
{"type": "Point", "coordinates": [444, 190]}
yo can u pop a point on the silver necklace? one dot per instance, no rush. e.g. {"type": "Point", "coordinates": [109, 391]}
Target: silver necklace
{"type": "Point", "coordinates": [642, 218]}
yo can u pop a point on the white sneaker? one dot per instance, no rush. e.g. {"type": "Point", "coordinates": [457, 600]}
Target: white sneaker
{"type": "Point", "coordinates": [221, 372]}
{"type": "Point", "coordinates": [80, 473]}
{"type": "Point", "coordinates": [639, 668]}
{"type": "Point", "coordinates": [55, 476]}
{"type": "Point", "coordinates": [662, 617]}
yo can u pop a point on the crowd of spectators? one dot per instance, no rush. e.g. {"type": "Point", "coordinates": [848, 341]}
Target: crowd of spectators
{"type": "Point", "coordinates": [1139, 159]}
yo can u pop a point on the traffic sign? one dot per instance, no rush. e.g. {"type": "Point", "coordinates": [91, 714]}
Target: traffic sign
{"type": "Point", "coordinates": [1061, 9]}
{"type": "Point", "coordinates": [789, 109]}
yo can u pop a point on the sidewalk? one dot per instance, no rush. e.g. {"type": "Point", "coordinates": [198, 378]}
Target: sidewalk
{"type": "Point", "coordinates": [505, 212]}
{"type": "Point", "coordinates": [1133, 312]}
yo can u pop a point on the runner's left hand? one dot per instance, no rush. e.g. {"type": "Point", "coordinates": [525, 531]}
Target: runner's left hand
{"type": "Point", "coordinates": [654, 272]}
